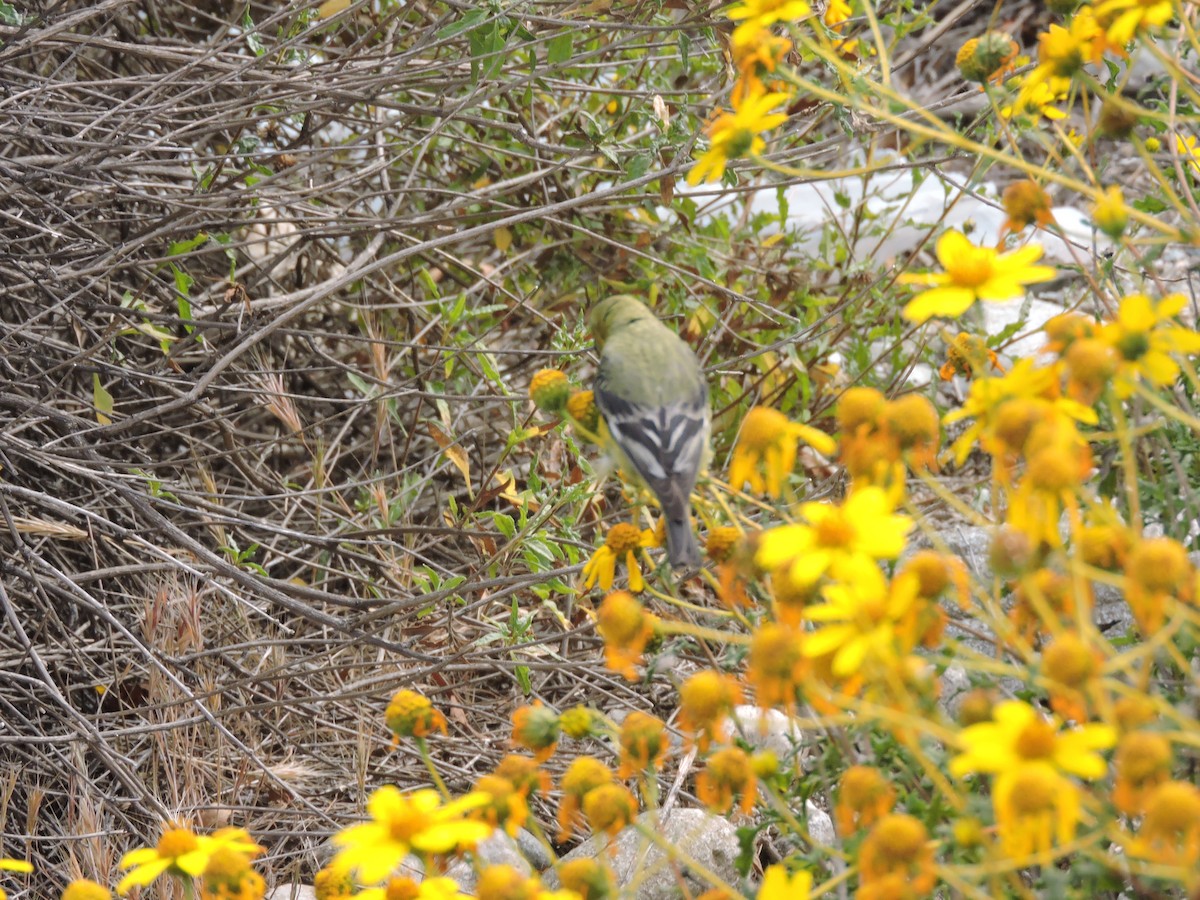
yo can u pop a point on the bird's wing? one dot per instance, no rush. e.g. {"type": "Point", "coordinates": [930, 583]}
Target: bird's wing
{"type": "Point", "coordinates": [661, 442]}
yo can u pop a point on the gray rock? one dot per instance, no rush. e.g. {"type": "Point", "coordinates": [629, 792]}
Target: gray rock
{"type": "Point", "coordinates": [765, 729]}
{"type": "Point", "coordinates": [820, 825]}
{"type": "Point", "coordinates": [534, 851]}
{"type": "Point", "coordinates": [497, 850]}
{"type": "Point", "coordinates": [292, 892]}
{"type": "Point", "coordinates": [644, 868]}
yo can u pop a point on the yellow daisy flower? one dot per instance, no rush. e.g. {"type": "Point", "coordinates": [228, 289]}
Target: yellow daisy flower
{"type": "Point", "coordinates": [733, 135]}
{"type": "Point", "coordinates": [1018, 734]}
{"type": "Point", "coordinates": [972, 273]}
{"type": "Point", "coordinates": [406, 823]}
{"type": "Point", "coordinates": [1122, 19]}
{"type": "Point", "coordinates": [837, 539]}
{"type": "Point", "coordinates": [621, 543]}
{"type": "Point", "coordinates": [1145, 335]}
{"type": "Point", "coordinates": [777, 884]}
{"type": "Point", "coordinates": [181, 853]}
{"type": "Point", "coordinates": [765, 452]}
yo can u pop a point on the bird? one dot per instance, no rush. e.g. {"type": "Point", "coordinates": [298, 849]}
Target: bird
{"type": "Point", "coordinates": [653, 401]}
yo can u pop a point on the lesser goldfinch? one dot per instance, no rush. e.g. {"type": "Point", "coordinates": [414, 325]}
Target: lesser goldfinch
{"type": "Point", "coordinates": [653, 402]}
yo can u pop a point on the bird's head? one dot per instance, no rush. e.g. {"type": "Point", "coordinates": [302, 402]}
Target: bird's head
{"type": "Point", "coordinates": [615, 312]}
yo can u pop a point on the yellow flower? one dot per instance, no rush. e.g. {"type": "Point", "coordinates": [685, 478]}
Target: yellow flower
{"type": "Point", "coordinates": [181, 853]}
{"type": "Point", "coordinates": [733, 135]}
{"type": "Point", "coordinates": [333, 883]}
{"type": "Point", "coordinates": [898, 845]}
{"type": "Point", "coordinates": [776, 665]}
{"type": "Point", "coordinates": [767, 443]}
{"type": "Point", "coordinates": [1038, 98]}
{"type": "Point", "coordinates": [1187, 149]}
{"type": "Point", "coordinates": [584, 775]}
{"type": "Point", "coordinates": [757, 52]}
{"type": "Point", "coordinates": [228, 876]}
{"type": "Point", "coordinates": [967, 354]}
{"type": "Point", "coordinates": [721, 542]}
{"type": "Point", "coordinates": [503, 882]}
{"type": "Point", "coordinates": [591, 879]}
{"type": "Point", "coordinates": [755, 14]}
{"type": "Point", "coordinates": [643, 742]}
{"type": "Point", "coordinates": [626, 628]}
{"type": "Point", "coordinates": [622, 542]}
{"type": "Point", "coordinates": [507, 809]}
{"type": "Point", "coordinates": [729, 771]}
{"type": "Point", "coordinates": [85, 889]}
{"type": "Point", "coordinates": [581, 406]}
{"type": "Point", "coordinates": [1026, 204]}
{"type": "Point", "coordinates": [837, 539]}
{"type": "Point", "coordinates": [581, 722]}
{"type": "Point", "coordinates": [609, 808]}
{"type": "Point", "coordinates": [1109, 213]}
{"type": "Point", "coordinates": [407, 823]}
{"type": "Point", "coordinates": [1145, 337]}
{"type": "Point", "coordinates": [861, 621]}
{"type": "Point", "coordinates": [837, 13]}
{"type": "Point", "coordinates": [972, 273]}
{"type": "Point", "coordinates": [864, 797]}
{"type": "Point", "coordinates": [1036, 809]}
{"type": "Point", "coordinates": [777, 884]}
{"type": "Point", "coordinates": [1142, 762]}
{"type": "Point", "coordinates": [401, 888]}
{"type": "Point", "coordinates": [549, 390]}
{"type": "Point", "coordinates": [705, 700]}
{"type": "Point", "coordinates": [1018, 735]}
{"type": "Point", "coordinates": [1157, 573]}
{"type": "Point", "coordinates": [536, 728]}
{"type": "Point", "coordinates": [1170, 831]}
{"type": "Point", "coordinates": [410, 714]}
{"type": "Point", "coordinates": [986, 58]}
{"type": "Point", "coordinates": [988, 402]}
{"type": "Point", "coordinates": [1122, 19]}
{"type": "Point", "coordinates": [15, 865]}
{"type": "Point", "coordinates": [1058, 463]}
{"type": "Point", "coordinates": [525, 774]}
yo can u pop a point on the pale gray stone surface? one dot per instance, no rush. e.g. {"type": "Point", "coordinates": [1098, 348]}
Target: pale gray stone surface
{"type": "Point", "coordinates": [765, 729]}
{"type": "Point", "coordinates": [709, 840]}
{"type": "Point", "coordinates": [292, 892]}
{"type": "Point", "coordinates": [497, 850]}
{"type": "Point", "coordinates": [820, 825]}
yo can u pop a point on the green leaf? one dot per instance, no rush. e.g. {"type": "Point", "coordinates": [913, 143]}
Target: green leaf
{"type": "Point", "coordinates": [560, 49]}
{"type": "Point", "coordinates": [183, 303]}
{"type": "Point", "coordinates": [178, 248]}
{"type": "Point", "coordinates": [102, 400]}
{"type": "Point", "coordinates": [638, 166]}
{"type": "Point", "coordinates": [253, 41]}
{"type": "Point", "coordinates": [466, 23]}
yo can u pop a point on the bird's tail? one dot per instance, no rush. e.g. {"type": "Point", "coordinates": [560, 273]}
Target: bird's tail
{"type": "Point", "coordinates": [682, 549]}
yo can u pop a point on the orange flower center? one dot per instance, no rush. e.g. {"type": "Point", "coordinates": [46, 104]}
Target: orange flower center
{"type": "Point", "coordinates": [1036, 740]}
{"type": "Point", "coordinates": [900, 840]}
{"type": "Point", "coordinates": [1034, 791]}
{"type": "Point", "coordinates": [762, 428]}
{"type": "Point", "coordinates": [407, 824]}
{"type": "Point", "coordinates": [835, 530]}
{"type": "Point", "coordinates": [1175, 808]}
{"type": "Point", "coordinates": [973, 268]}
{"type": "Point", "coordinates": [175, 843]}
{"type": "Point", "coordinates": [622, 538]}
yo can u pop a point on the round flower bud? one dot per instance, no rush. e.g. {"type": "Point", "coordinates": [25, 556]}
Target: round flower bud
{"type": "Point", "coordinates": [549, 390]}
{"type": "Point", "coordinates": [982, 57]}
